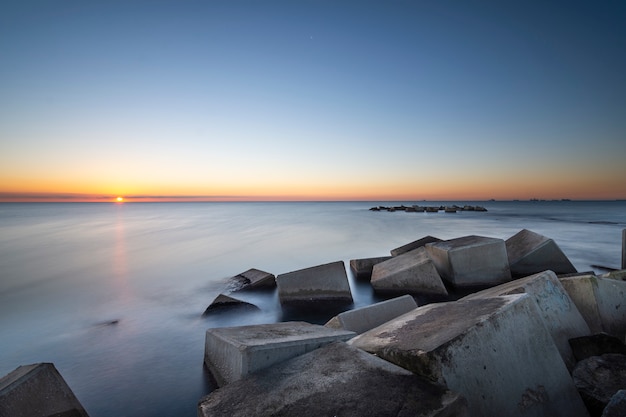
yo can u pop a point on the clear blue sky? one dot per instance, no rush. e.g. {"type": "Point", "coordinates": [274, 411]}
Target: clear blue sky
{"type": "Point", "coordinates": [313, 99]}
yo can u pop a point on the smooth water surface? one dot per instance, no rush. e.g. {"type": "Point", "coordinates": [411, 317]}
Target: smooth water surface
{"type": "Point", "coordinates": [113, 294]}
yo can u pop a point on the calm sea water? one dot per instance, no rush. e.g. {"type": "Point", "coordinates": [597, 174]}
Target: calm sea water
{"type": "Point", "coordinates": [68, 270]}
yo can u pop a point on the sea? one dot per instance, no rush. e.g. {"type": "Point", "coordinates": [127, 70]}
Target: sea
{"type": "Point", "coordinates": [113, 294]}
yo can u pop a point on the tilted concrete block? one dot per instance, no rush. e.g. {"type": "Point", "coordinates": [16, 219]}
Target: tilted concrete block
{"type": "Point", "coordinates": [322, 283]}
{"type": "Point", "coordinates": [471, 260]}
{"type": "Point", "coordinates": [37, 390]}
{"type": "Point", "coordinates": [601, 301]}
{"type": "Point", "coordinates": [362, 319]}
{"type": "Point", "coordinates": [334, 380]}
{"type": "Point", "coordinates": [496, 352]}
{"type": "Point", "coordinates": [255, 278]}
{"type": "Point", "coordinates": [362, 268]}
{"type": "Point", "coordinates": [230, 353]}
{"type": "Point", "coordinates": [560, 314]}
{"type": "Point", "coordinates": [411, 272]}
{"type": "Point", "coordinates": [414, 245]}
{"type": "Point", "coordinates": [530, 253]}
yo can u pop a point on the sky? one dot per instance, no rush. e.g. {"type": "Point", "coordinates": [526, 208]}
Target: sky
{"type": "Point", "coordinates": [312, 100]}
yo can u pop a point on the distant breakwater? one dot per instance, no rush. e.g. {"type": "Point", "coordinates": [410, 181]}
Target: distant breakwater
{"type": "Point", "coordinates": [428, 209]}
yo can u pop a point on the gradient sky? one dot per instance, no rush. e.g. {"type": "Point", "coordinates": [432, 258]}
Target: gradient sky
{"type": "Point", "coordinates": [403, 100]}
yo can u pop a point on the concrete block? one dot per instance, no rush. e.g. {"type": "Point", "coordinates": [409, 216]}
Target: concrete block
{"type": "Point", "coordinates": [471, 261]}
{"type": "Point", "coordinates": [530, 253]}
{"type": "Point", "coordinates": [362, 268]}
{"type": "Point", "coordinates": [414, 245]}
{"type": "Point", "coordinates": [223, 303]}
{"type": "Point", "coordinates": [255, 279]}
{"type": "Point", "coordinates": [334, 380]}
{"type": "Point", "coordinates": [618, 275]}
{"type": "Point", "coordinates": [496, 352]}
{"type": "Point", "coordinates": [233, 352]}
{"type": "Point", "coordinates": [362, 319]}
{"type": "Point", "coordinates": [37, 390]}
{"type": "Point", "coordinates": [323, 283]}
{"type": "Point", "coordinates": [600, 301]}
{"type": "Point", "coordinates": [411, 272]}
{"type": "Point", "coordinates": [560, 315]}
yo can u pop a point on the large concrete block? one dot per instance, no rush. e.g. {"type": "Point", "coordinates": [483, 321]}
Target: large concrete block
{"type": "Point", "coordinates": [496, 352]}
{"type": "Point", "coordinates": [37, 390]}
{"type": "Point", "coordinates": [362, 319]}
{"type": "Point", "coordinates": [334, 380]}
{"type": "Point", "coordinates": [600, 301]}
{"type": "Point", "coordinates": [530, 253]}
{"type": "Point", "coordinates": [411, 272]}
{"type": "Point", "coordinates": [558, 311]}
{"type": "Point", "coordinates": [233, 352]}
{"type": "Point", "coordinates": [471, 261]}
{"type": "Point", "coordinates": [322, 283]}
{"type": "Point", "coordinates": [362, 268]}
{"type": "Point", "coordinates": [414, 245]}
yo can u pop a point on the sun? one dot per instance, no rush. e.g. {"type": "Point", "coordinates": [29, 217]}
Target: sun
{"type": "Point", "coordinates": [120, 199]}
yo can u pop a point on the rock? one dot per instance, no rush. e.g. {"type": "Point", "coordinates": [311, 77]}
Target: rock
{"type": "Point", "coordinates": [362, 268]}
{"type": "Point", "coordinates": [326, 283]}
{"type": "Point", "coordinates": [412, 272]}
{"type": "Point", "coordinates": [600, 301]}
{"type": "Point", "coordinates": [223, 302]}
{"type": "Point", "coordinates": [414, 245]}
{"type": "Point", "coordinates": [595, 345]}
{"type": "Point", "coordinates": [496, 352]}
{"type": "Point", "coordinates": [254, 279]}
{"type": "Point", "coordinates": [365, 318]}
{"type": "Point", "coordinates": [598, 378]}
{"type": "Point", "coordinates": [37, 390]}
{"type": "Point", "coordinates": [471, 261]}
{"type": "Point", "coordinates": [530, 253]}
{"type": "Point", "coordinates": [616, 406]}
{"type": "Point", "coordinates": [230, 353]}
{"type": "Point", "coordinates": [334, 380]}
{"type": "Point", "coordinates": [560, 315]}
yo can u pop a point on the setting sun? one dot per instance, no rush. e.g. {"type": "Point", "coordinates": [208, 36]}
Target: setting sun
{"type": "Point", "coordinates": [119, 199]}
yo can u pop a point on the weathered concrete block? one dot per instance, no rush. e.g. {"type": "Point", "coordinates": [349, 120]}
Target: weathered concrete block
{"type": "Point", "coordinates": [233, 352]}
{"type": "Point", "coordinates": [37, 390]}
{"type": "Point", "coordinates": [411, 272]}
{"type": "Point", "coordinates": [618, 275]}
{"type": "Point", "coordinates": [414, 245]}
{"type": "Point", "coordinates": [362, 319]}
{"type": "Point", "coordinates": [223, 302]}
{"type": "Point", "coordinates": [471, 261]}
{"type": "Point", "coordinates": [362, 268]}
{"type": "Point", "coordinates": [530, 253]}
{"type": "Point", "coordinates": [600, 301]}
{"type": "Point", "coordinates": [558, 311]}
{"type": "Point", "coordinates": [255, 279]}
{"type": "Point", "coordinates": [334, 380]}
{"type": "Point", "coordinates": [325, 283]}
{"type": "Point", "coordinates": [496, 352]}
